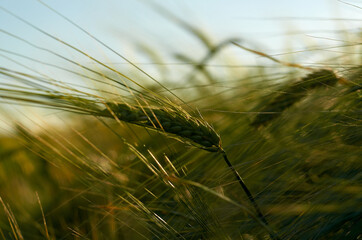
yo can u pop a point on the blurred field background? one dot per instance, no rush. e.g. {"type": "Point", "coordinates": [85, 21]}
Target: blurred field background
{"type": "Point", "coordinates": [72, 176]}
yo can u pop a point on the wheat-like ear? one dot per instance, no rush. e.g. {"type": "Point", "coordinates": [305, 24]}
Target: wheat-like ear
{"type": "Point", "coordinates": [294, 93]}
{"type": "Point", "coordinates": [179, 124]}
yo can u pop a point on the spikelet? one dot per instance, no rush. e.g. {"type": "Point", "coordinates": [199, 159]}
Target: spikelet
{"type": "Point", "coordinates": [293, 94]}
{"type": "Point", "coordinates": [179, 124]}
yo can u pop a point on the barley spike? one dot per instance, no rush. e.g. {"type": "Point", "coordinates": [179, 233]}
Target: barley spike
{"type": "Point", "coordinates": [180, 124]}
{"type": "Point", "coordinates": [293, 94]}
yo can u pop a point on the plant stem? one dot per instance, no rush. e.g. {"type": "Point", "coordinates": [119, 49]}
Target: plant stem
{"type": "Point", "coordinates": [248, 193]}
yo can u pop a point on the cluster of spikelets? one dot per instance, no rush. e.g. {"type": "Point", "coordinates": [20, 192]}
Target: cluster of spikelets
{"type": "Point", "coordinates": [293, 93]}
{"type": "Point", "coordinates": [165, 120]}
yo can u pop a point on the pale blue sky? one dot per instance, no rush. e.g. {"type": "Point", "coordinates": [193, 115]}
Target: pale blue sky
{"type": "Point", "coordinates": [123, 23]}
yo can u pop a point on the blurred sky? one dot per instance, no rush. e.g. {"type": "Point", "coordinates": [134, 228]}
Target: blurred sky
{"type": "Point", "coordinates": [123, 24]}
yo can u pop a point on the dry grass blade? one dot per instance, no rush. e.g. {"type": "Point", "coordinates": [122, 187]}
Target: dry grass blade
{"type": "Point", "coordinates": [272, 58]}
{"type": "Point", "coordinates": [43, 216]}
{"type": "Point", "coordinates": [12, 221]}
